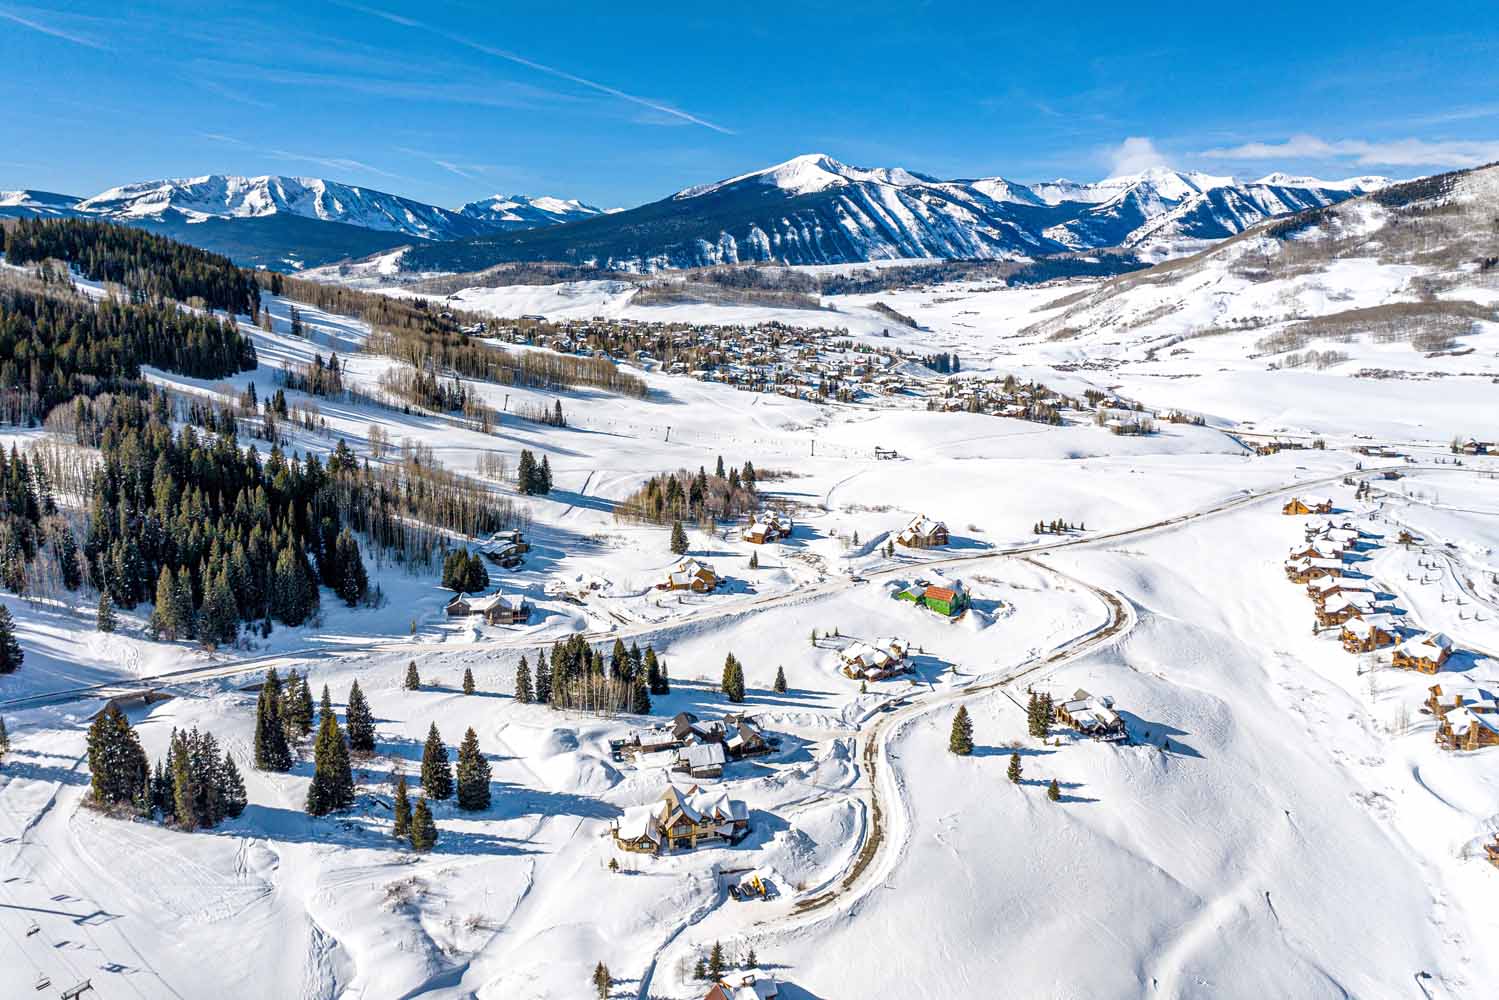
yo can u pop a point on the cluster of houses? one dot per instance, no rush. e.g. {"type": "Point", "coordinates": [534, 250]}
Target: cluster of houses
{"type": "Point", "coordinates": [949, 598]}
{"type": "Point", "coordinates": [768, 526]}
{"type": "Point", "coordinates": [695, 747]}
{"type": "Point", "coordinates": [885, 657]}
{"type": "Point", "coordinates": [1006, 397]}
{"type": "Point", "coordinates": [506, 549]}
{"type": "Point", "coordinates": [1351, 603]}
{"type": "Point", "coordinates": [691, 574]}
{"type": "Point", "coordinates": [495, 609]}
{"type": "Point", "coordinates": [1093, 716]}
{"type": "Point", "coordinates": [681, 818]}
{"type": "Point", "coordinates": [923, 533]}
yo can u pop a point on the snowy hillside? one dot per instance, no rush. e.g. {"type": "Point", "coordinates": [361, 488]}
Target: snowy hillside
{"type": "Point", "coordinates": [813, 209]}
{"type": "Point", "coordinates": [518, 211]}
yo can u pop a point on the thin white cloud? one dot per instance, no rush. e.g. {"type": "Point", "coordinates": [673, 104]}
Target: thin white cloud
{"type": "Point", "coordinates": [498, 53]}
{"type": "Point", "coordinates": [11, 14]}
{"type": "Point", "coordinates": [1134, 155]}
{"type": "Point", "coordinates": [331, 162]}
{"type": "Point", "coordinates": [1365, 152]}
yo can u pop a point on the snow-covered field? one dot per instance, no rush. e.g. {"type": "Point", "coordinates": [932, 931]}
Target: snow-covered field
{"type": "Point", "coordinates": [1280, 822]}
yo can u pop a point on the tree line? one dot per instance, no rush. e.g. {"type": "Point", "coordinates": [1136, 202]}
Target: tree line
{"type": "Point", "coordinates": [683, 495]}
{"type": "Point", "coordinates": [154, 268]}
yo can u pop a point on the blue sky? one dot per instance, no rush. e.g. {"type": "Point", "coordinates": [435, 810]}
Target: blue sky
{"type": "Point", "coordinates": [619, 104]}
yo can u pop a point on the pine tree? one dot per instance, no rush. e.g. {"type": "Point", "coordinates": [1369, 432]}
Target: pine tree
{"type": "Point", "coordinates": [752, 960]}
{"type": "Point", "coordinates": [700, 970]}
{"type": "Point", "coordinates": [413, 681]}
{"type": "Point", "coordinates": [523, 692]}
{"type": "Point", "coordinates": [218, 625]}
{"type": "Point", "coordinates": [732, 684]}
{"type": "Point", "coordinates": [468, 680]}
{"type": "Point", "coordinates": [779, 687]}
{"type": "Point", "coordinates": [184, 785]}
{"type": "Point", "coordinates": [423, 830]}
{"type": "Point", "coordinates": [640, 700]}
{"type": "Point", "coordinates": [437, 772]}
{"type": "Point", "coordinates": [401, 810]}
{"type": "Point", "coordinates": [543, 681]}
{"type": "Point", "coordinates": [1014, 771]}
{"type": "Point", "coordinates": [4, 739]}
{"type": "Point", "coordinates": [117, 764]}
{"type": "Point", "coordinates": [961, 740]}
{"type": "Point", "coordinates": [11, 653]}
{"type": "Point", "coordinates": [106, 620]}
{"type": "Point", "coordinates": [361, 722]}
{"type": "Point", "coordinates": [473, 774]}
{"type": "Point", "coordinates": [678, 539]}
{"type": "Point", "coordinates": [325, 705]}
{"type": "Point", "coordinates": [544, 476]}
{"type": "Point", "coordinates": [271, 750]}
{"type": "Point", "coordinates": [754, 560]}
{"type": "Point", "coordinates": [332, 786]}
{"type": "Point", "coordinates": [1048, 713]}
{"type": "Point", "coordinates": [715, 957]}
{"type": "Point", "coordinates": [665, 679]}
{"type": "Point", "coordinates": [353, 581]}
{"type": "Point", "coordinates": [296, 707]}
{"type": "Point", "coordinates": [525, 473]}
{"type": "Point", "coordinates": [619, 662]}
{"type": "Point", "coordinates": [1054, 791]}
{"type": "Point", "coordinates": [602, 980]}
{"type": "Point", "coordinates": [652, 671]}
{"type": "Point", "coordinates": [233, 793]}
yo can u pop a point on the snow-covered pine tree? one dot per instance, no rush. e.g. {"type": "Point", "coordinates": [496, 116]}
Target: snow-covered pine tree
{"type": "Point", "coordinates": [960, 741]}
{"type": "Point", "coordinates": [437, 772]}
{"type": "Point", "coordinates": [678, 538]}
{"type": "Point", "coordinates": [413, 680]}
{"type": "Point", "coordinates": [118, 771]}
{"type": "Point", "coordinates": [105, 619]}
{"type": "Point", "coordinates": [473, 774]}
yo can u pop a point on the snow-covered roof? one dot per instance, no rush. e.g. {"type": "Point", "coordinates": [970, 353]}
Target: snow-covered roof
{"type": "Point", "coordinates": [701, 755]}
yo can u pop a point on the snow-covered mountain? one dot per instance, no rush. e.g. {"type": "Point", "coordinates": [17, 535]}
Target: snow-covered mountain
{"type": "Point", "coordinates": [518, 211]}
{"type": "Point", "coordinates": [292, 222]}
{"type": "Point", "coordinates": [813, 209]}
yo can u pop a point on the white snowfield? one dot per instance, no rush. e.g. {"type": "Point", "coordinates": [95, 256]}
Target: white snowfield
{"type": "Point", "coordinates": [1279, 822]}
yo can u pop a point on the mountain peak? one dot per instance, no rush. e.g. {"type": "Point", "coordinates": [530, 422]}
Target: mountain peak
{"type": "Point", "coordinates": [812, 172]}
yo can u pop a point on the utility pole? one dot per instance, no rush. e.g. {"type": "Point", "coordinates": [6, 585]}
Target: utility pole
{"type": "Point", "coordinates": [668, 433]}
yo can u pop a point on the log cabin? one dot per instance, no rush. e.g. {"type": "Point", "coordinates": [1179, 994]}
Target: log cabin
{"type": "Point", "coordinates": [1320, 590]}
{"type": "Point", "coordinates": [691, 574]}
{"type": "Point", "coordinates": [770, 526]}
{"type": "Point", "coordinates": [1341, 608]}
{"type": "Point", "coordinates": [1427, 653]}
{"type": "Point", "coordinates": [745, 986]}
{"type": "Point", "coordinates": [1365, 635]}
{"type": "Point", "coordinates": [497, 609]}
{"type": "Point", "coordinates": [1307, 570]}
{"type": "Point", "coordinates": [1092, 716]}
{"type": "Point", "coordinates": [923, 533]}
{"type": "Point", "coordinates": [1464, 721]}
{"type": "Point", "coordinates": [1295, 508]}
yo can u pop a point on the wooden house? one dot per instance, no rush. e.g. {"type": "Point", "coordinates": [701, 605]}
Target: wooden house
{"type": "Point", "coordinates": [745, 737]}
{"type": "Point", "coordinates": [1317, 549]}
{"type": "Point", "coordinates": [770, 526]}
{"type": "Point", "coordinates": [1426, 653]}
{"type": "Point", "coordinates": [702, 760]}
{"type": "Point", "coordinates": [1307, 570]}
{"type": "Point", "coordinates": [923, 533]}
{"type": "Point", "coordinates": [1321, 589]}
{"type": "Point", "coordinates": [681, 818]}
{"type": "Point", "coordinates": [497, 609]}
{"type": "Point", "coordinates": [1295, 508]}
{"type": "Point", "coordinates": [1365, 635]}
{"type": "Point", "coordinates": [1492, 850]}
{"type": "Point", "coordinates": [1341, 608]}
{"type": "Point", "coordinates": [691, 574]}
{"type": "Point", "coordinates": [1464, 721]}
{"type": "Point", "coordinates": [874, 661]}
{"type": "Point", "coordinates": [1092, 716]}
{"type": "Point", "coordinates": [1323, 507]}
{"type": "Point", "coordinates": [745, 986]}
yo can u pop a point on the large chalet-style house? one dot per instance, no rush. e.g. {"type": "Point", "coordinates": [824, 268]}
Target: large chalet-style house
{"type": "Point", "coordinates": [506, 548]}
{"type": "Point", "coordinates": [496, 609]}
{"type": "Point", "coordinates": [1365, 635]}
{"type": "Point", "coordinates": [875, 661]}
{"type": "Point", "coordinates": [1426, 653]}
{"type": "Point", "coordinates": [1316, 548]}
{"type": "Point", "coordinates": [1092, 716]}
{"type": "Point", "coordinates": [1307, 570]}
{"type": "Point", "coordinates": [1296, 507]}
{"type": "Point", "coordinates": [1341, 608]}
{"type": "Point", "coordinates": [923, 533]}
{"type": "Point", "coordinates": [1323, 588]}
{"type": "Point", "coordinates": [769, 526]}
{"type": "Point", "coordinates": [745, 986]}
{"type": "Point", "coordinates": [1464, 721]}
{"type": "Point", "coordinates": [690, 574]}
{"type": "Point", "coordinates": [684, 744]}
{"type": "Point", "coordinates": [681, 818]}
